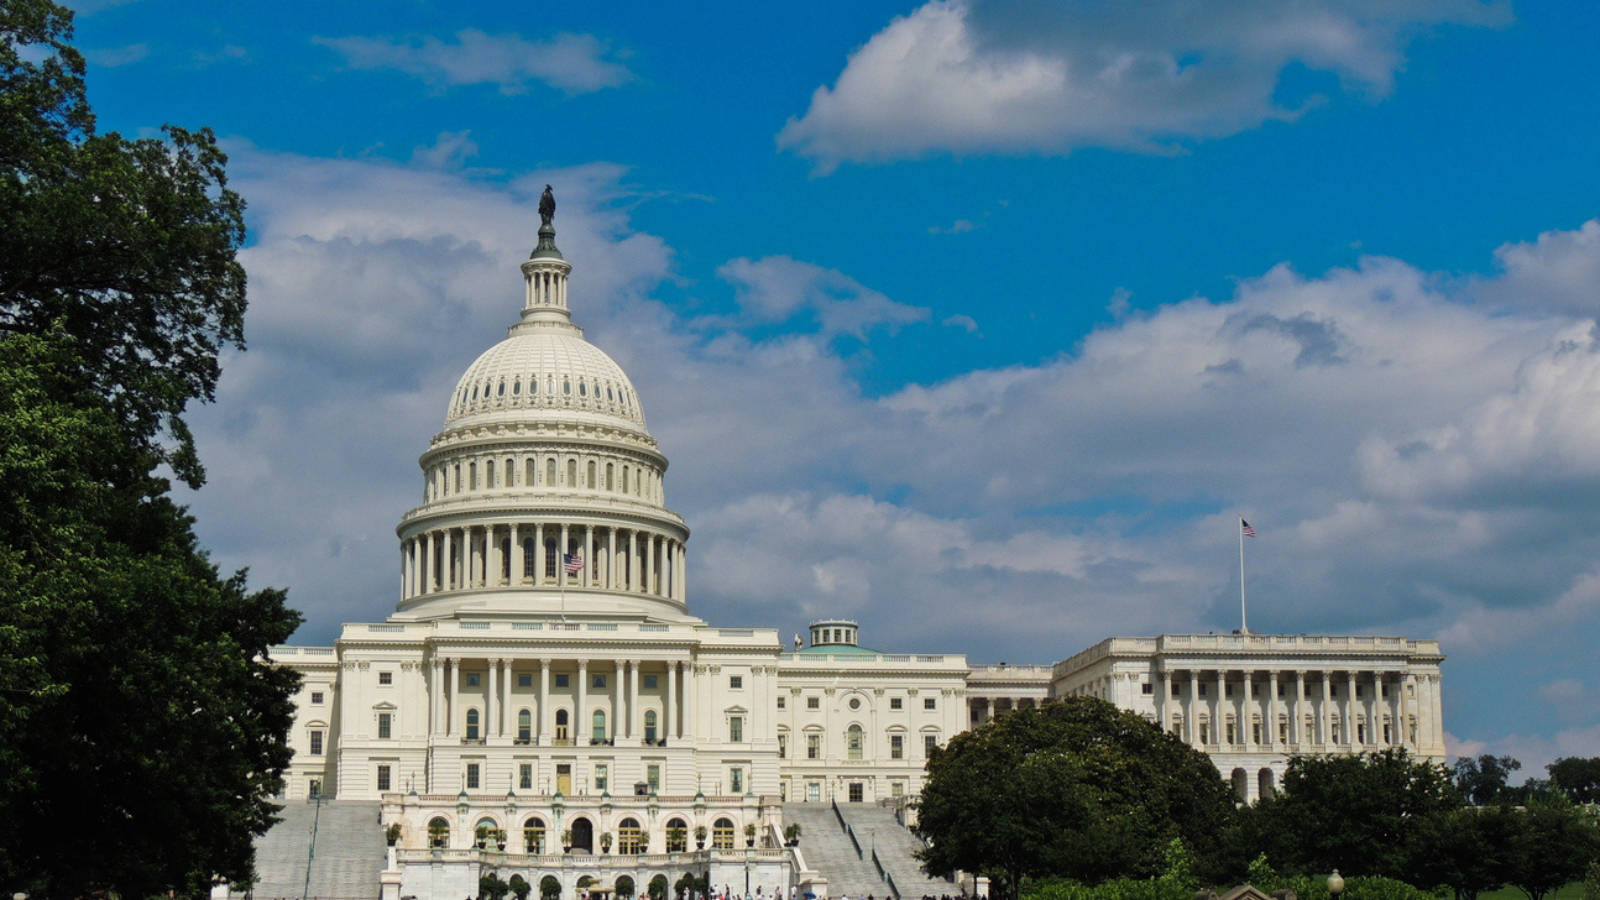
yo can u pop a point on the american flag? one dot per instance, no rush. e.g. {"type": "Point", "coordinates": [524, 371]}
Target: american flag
{"type": "Point", "coordinates": [1245, 529]}
{"type": "Point", "coordinates": [574, 562]}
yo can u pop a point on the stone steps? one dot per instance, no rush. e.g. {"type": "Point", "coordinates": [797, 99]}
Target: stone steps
{"type": "Point", "coordinates": [828, 850]}
{"type": "Point", "coordinates": [877, 827]}
{"type": "Point", "coordinates": [344, 862]}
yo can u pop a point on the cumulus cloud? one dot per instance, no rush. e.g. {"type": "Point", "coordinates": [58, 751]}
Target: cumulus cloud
{"type": "Point", "coordinates": [979, 76]}
{"type": "Point", "coordinates": [1560, 271]}
{"type": "Point", "coordinates": [574, 63]}
{"type": "Point", "coordinates": [778, 288]}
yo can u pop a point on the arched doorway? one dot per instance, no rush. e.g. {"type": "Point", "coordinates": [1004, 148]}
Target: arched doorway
{"type": "Point", "coordinates": [1241, 785]}
{"type": "Point", "coordinates": [624, 886]}
{"type": "Point", "coordinates": [549, 888]}
{"type": "Point", "coordinates": [1266, 784]}
{"type": "Point", "coordinates": [439, 833]}
{"type": "Point", "coordinates": [582, 835]}
{"type": "Point", "coordinates": [659, 887]}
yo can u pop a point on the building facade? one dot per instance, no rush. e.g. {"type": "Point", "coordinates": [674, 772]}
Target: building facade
{"type": "Point", "coordinates": [542, 684]}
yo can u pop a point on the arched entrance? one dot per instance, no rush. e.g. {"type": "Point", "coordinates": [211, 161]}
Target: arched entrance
{"type": "Point", "coordinates": [1241, 785]}
{"type": "Point", "coordinates": [1265, 784]}
{"type": "Point", "coordinates": [582, 835]}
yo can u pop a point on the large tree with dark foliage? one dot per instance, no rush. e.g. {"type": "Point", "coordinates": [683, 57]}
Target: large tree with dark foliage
{"type": "Point", "coordinates": [1076, 789]}
{"type": "Point", "coordinates": [1577, 777]}
{"type": "Point", "coordinates": [141, 731]}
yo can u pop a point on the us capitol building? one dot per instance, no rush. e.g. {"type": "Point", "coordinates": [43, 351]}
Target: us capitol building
{"type": "Point", "coordinates": [543, 685]}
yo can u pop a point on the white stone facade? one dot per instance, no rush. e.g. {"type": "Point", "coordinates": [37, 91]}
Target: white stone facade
{"type": "Point", "coordinates": [542, 674]}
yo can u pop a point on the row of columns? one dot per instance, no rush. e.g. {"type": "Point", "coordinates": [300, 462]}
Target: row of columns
{"type": "Point", "coordinates": [447, 711]}
{"type": "Point", "coordinates": [475, 556]}
{"type": "Point", "coordinates": [985, 708]}
{"type": "Point", "coordinates": [1296, 708]}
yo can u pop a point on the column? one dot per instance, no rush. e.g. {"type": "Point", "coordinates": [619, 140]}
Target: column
{"type": "Point", "coordinates": [683, 573]}
{"type": "Point", "coordinates": [436, 698]}
{"type": "Point", "coordinates": [635, 715]}
{"type": "Point", "coordinates": [583, 699]}
{"type": "Point", "coordinates": [988, 709]}
{"type": "Point", "coordinates": [452, 727]}
{"type": "Point", "coordinates": [690, 684]}
{"type": "Point", "coordinates": [538, 553]}
{"type": "Point", "coordinates": [447, 582]}
{"type": "Point", "coordinates": [650, 564]}
{"type": "Point", "coordinates": [516, 555]}
{"type": "Point", "coordinates": [587, 578]}
{"type": "Point", "coordinates": [493, 706]}
{"type": "Point", "coordinates": [1272, 710]}
{"type": "Point", "coordinates": [611, 559]}
{"type": "Point", "coordinates": [427, 567]}
{"type": "Point", "coordinates": [561, 557]}
{"type": "Point", "coordinates": [1350, 709]}
{"type": "Point", "coordinates": [1322, 714]}
{"type": "Point", "coordinates": [493, 563]}
{"type": "Point", "coordinates": [1162, 679]}
{"type": "Point", "coordinates": [1191, 713]}
{"type": "Point", "coordinates": [633, 560]}
{"type": "Point", "coordinates": [474, 557]}
{"type": "Point", "coordinates": [1403, 727]}
{"type": "Point", "coordinates": [618, 716]}
{"type": "Point", "coordinates": [669, 728]}
{"type": "Point", "coordinates": [507, 704]}
{"type": "Point", "coordinates": [544, 703]}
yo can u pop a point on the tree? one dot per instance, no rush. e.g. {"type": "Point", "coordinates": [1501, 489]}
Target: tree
{"type": "Point", "coordinates": [1554, 843]}
{"type": "Point", "coordinates": [142, 727]}
{"type": "Point", "coordinates": [1077, 789]}
{"type": "Point", "coordinates": [1577, 777]}
{"type": "Point", "coordinates": [1352, 812]}
{"type": "Point", "coordinates": [1463, 849]}
{"type": "Point", "coordinates": [1482, 781]}
{"type": "Point", "coordinates": [520, 888]}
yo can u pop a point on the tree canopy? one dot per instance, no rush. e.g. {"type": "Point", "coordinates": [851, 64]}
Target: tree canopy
{"type": "Point", "coordinates": [141, 728]}
{"type": "Point", "coordinates": [1077, 788]}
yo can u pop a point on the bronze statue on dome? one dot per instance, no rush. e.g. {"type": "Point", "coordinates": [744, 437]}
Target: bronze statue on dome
{"type": "Point", "coordinates": [547, 207]}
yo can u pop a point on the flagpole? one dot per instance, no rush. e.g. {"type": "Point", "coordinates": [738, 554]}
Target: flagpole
{"type": "Point", "coordinates": [1244, 622]}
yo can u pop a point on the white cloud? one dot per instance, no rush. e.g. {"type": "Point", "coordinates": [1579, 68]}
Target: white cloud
{"type": "Point", "coordinates": [1560, 271]}
{"type": "Point", "coordinates": [778, 288]}
{"type": "Point", "coordinates": [574, 63]}
{"type": "Point", "coordinates": [980, 76]}
{"type": "Point", "coordinates": [450, 151]}
{"type": "Point", "coordinates": [111, 57]}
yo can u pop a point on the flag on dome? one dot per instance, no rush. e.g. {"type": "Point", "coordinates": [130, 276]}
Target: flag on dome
{"type": "Point", "coordinates": [574, 562]}
{"type": "Point", "coordinates": [1245, 529]}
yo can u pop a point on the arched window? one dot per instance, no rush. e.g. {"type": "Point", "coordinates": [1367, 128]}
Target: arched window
{"type": "Point", "coordinates": [561, 726]}
{"type": "Point", "coordinates": [472, 724]}
{"type": "Point", "coordinates": [533, 836]}
{"type": "Point", "coordinates": [488, 474]}
{"type": "Point", "coordinates": [485, 834]}
{"type": "Point", "coordinates": [722, 834]}
{"type": "Point", "coordinates": [572, 473]}
{"type": "Point", "coordinates": [650, 726]}
{"type": "Point", "coordinates": [528, 475]}
{"type": "Point", "coordinates": [677, 836]}
{"type": "Point", "coordinates": [550, 471]}
{"type": "Point", "coordinates": [550, 560]}
{"type": "Point", "coordinates": [852, 741]}
{"type": "Point", "coordinates": [528, 558]}
{"type": "Point", "coordinates": [439, 832]}
{"type": "Point", "coordinates": [566, 387]}
{"type": "Point", "coordinates": [610, 473]}
{"type": "Point", "coordinates": [583, 388]}
{"type": "Point", "coordinates": [599, 732]}
{"type": "Point", "coordinates": [524, 726]}
{"type": "Point", "coordinates": [590, 484]}
{"type": "Point", "coordinates": [628, 837]}
{"type": "Point", "coordinates": [516, 387]}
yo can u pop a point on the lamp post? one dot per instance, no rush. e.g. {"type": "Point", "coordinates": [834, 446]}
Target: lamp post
{"type": "Point", "coordinates": [1335, 885]}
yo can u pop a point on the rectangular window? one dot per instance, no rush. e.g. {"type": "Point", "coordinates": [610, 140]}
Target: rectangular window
{"type": "Point", "coordinates": [561, 681]}
{"type": "Point", "coordinates": [783, 746]}
{"type": "Point", "coordinates": [1147, 688]}
{"type": "Point", "coordinates": [736, 682]}
{"type": "Point", "coordinates": [858, 792]}
{"type": "Point", "coordinates": [472, 776]}
{"type": "Point", "coordinates": [1202, 690]}
{"type": "Point", "coordinates": [897, 788]}
{"type": "Point", "coordinates": [1227, 692]}
{"type": "Point", "coordinates": [316, 696]}
{"type": "Point", "coordinates": [383, 778]}
{"type": "Point", "coordinates": [1176, 691]}
{"type": "Point", "coordinates": [650, 681]}
{"type": "Point", "coordinates": [316, 743]}
{"type": "Point", "coordinates": [813, 746]}
{"type": "Point", "coordinates": [894, 703]}
{"type": "Point", "coordinates": [736, 780]}
{"type": "Point", "coordinates": [736, 729]}
{"type": "Point", "coordinates": [652, 775]}
{"type": "Point", "coordinates": [1255, 732]}
{"type": "Point", "coordinates": [599, 681]}
{"type": "Point", "coordinates": [897, 746]}
{"type": "Point", "coordinates": [383, 726]}
{"type": "Point", "coordinates": [813, 792]}
{"type": "Point", "coordinates": [1205, 733]}
{"type": "Point", "coordinates": [601, 781]}
{"type": "Point", "coordinates": [929, 703]}
{"type": "Point", "coordinates": [525, 776]}
{"type": "Point", "coordinates": [386, 678]}
{"type": "Point", "coordinates": [930, 742]}
{"type": "Point", "coordinates": [783, 702]}
{"type": "Point", "coordinates": [813, 703]}
{"type": "Point", "coordinates": [472, 679]}
{"type": "Point", "coordinates": [525, 679]}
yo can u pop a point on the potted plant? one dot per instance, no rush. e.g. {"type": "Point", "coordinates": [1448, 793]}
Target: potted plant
{"type": "Point", "coordinates": [791, 834]}
{"type": "Point", "coordinates": [699, 837]}
{"type": "Point", "coordinates": [566, 841]}
{"type": "Point", "coordinates": [392, 834]}
{"type": "Point", "coordinates": [437, 833]}
{"type": "Point", "coordinates": [644, 844]}
{"type": "Point", "coordinates": [605, 842]}
{"type": "Point", "coordinates": [500, 839]}
{"type": "Point", "coordinates": [677, 837]}
{"type": "Point", "coordinates": [750, 835]}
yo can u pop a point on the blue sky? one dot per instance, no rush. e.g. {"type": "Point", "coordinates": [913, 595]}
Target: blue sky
{"type": "Point", "coordinates": [978, 322]}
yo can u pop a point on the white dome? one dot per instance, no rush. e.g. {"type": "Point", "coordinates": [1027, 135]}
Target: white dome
{"type": "Point", "coordinates": [546, 371]}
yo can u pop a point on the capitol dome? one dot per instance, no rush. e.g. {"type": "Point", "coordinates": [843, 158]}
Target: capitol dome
{"type": "Point", "coordinates": [546, 372]}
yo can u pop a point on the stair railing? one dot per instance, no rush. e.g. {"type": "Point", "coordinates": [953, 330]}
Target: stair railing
{"type": "Point", "coordinates": [848, 831]}
{"type": "Point", "coordinates": [884, 872]}
{"type": "Point", "coordinates": [311, 851]}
